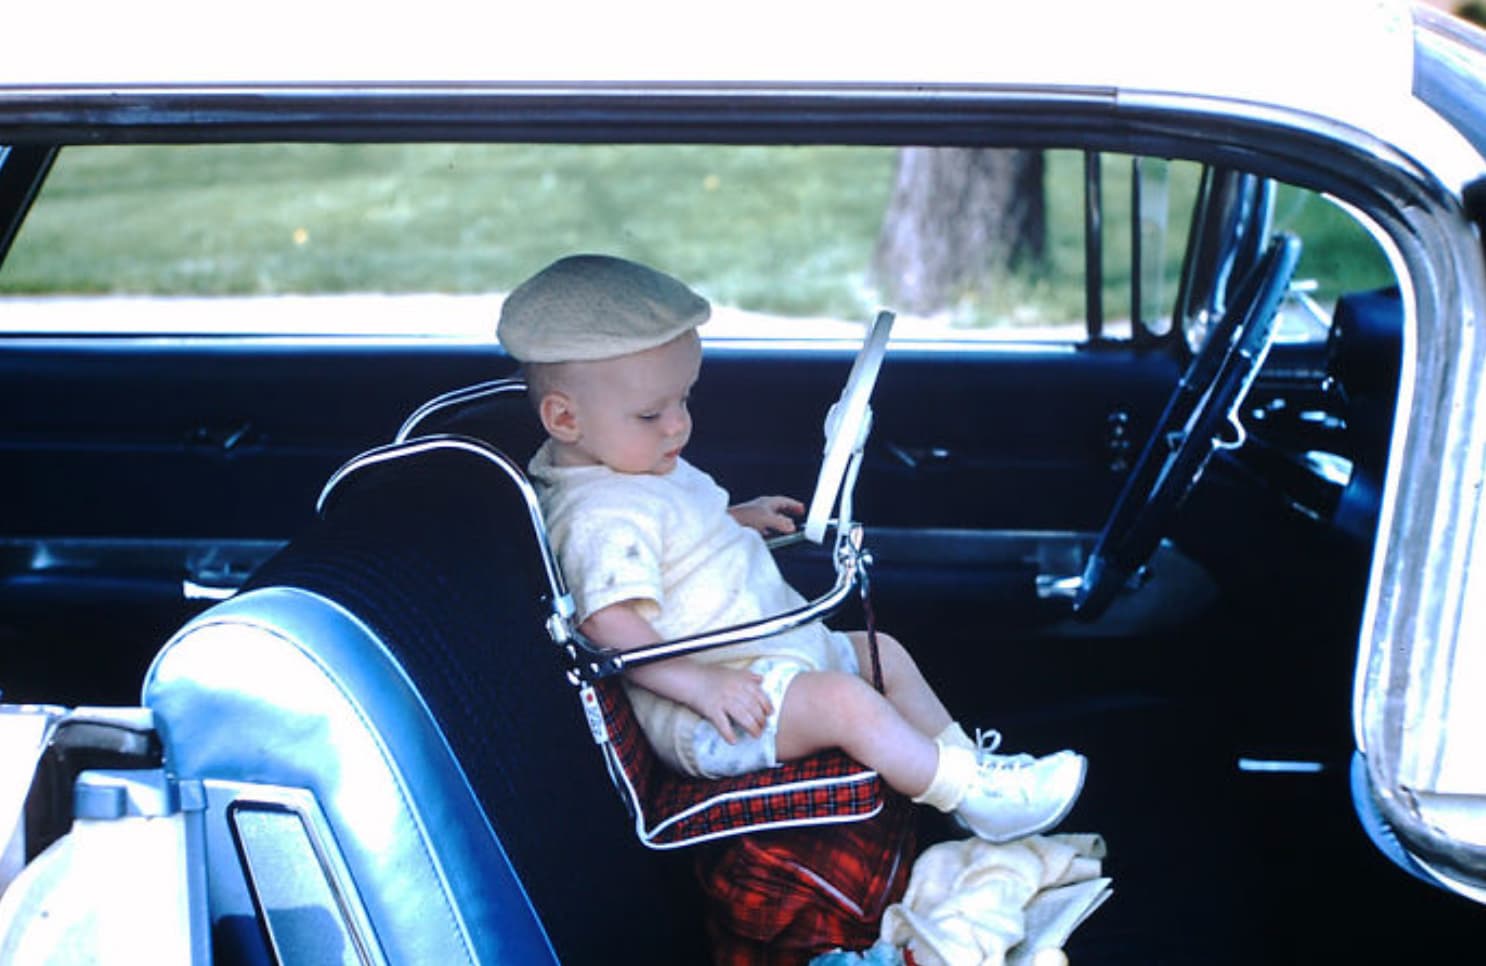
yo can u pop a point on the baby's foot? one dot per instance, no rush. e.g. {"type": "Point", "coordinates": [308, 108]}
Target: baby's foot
{"type": "Point", "coordinates": [1018, 795]}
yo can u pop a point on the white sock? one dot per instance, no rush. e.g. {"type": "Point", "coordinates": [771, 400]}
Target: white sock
{"type": "Point", "coordinates": [953, 774]}
{"type": "Point", "coordinates": [955, 734]}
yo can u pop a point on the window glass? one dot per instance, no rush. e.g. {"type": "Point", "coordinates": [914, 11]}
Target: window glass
{"type": "Point", "coordinates": [1337, 256]}
{"type": "Point", "coordinates": [202, 230]}
{"type": "Point", "coordinates": [1147, 206]}
{"type": "Point", "coordinates": [425, 239]}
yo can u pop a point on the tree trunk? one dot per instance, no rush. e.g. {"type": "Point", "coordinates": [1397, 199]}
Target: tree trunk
{"type": "Point", "coordinates": [958, 219]}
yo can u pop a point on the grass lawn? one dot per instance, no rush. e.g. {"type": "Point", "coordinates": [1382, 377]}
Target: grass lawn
{"type": "Point", "coordinates": [781, 230]}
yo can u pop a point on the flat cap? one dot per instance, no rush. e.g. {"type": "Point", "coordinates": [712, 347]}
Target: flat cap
{"type": "Point", "coordinates": [586, 307]}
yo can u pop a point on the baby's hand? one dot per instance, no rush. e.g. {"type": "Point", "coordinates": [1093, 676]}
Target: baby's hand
{"type": "Point", "coordinates": [768, 514]}
{"type": "Point", "coordinates": [729, 696]}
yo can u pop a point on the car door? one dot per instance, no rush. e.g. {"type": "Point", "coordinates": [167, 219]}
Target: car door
{"type": "Point", "coordinates": [164, 443]}
{"type": "Point", "coordinates": [145, 478]}
{"type": "Point", "coordinates": [1418, 782]}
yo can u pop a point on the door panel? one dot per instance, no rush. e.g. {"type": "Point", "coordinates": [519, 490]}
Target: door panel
{"type": "Point", "coordinates": [140, 477]}
{"type": "Point", "coordinates": [210, 438]}
{"type": "Point", "coordinates": [984, 470]}
{"type": "Point", "coordinates": [1002, 439]}
{"type": "Point", "coordinates": [132, 467]}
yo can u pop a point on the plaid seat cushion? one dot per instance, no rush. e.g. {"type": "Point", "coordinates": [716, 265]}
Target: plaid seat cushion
{"type": "Point", "coordinates": [672, 810]}
{"type": "Point", "coordinates": [782, 898]}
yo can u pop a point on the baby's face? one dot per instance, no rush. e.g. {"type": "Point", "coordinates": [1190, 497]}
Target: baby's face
{"type": "Point", "coordinates": [632, 411]}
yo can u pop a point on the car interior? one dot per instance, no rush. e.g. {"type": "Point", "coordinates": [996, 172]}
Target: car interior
{"type": "Point", "coordinates": [1151, 550]}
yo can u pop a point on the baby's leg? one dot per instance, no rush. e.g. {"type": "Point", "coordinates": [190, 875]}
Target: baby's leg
{"type": "Point", "coordinates": [903, 683]}
{"type": "Point", "coordinates": [834, 709]}
{"type": "Point", "coordinates": [837, 709]}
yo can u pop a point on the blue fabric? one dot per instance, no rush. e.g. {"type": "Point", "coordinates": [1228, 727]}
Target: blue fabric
{"type": "Point", "coordinates": [436, 556]}
{"type": "Point", "coordinates": [882, 954]}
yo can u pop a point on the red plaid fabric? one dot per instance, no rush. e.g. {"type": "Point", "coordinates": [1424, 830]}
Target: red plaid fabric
{"type": "Point", "coordinates": [783, 898]}
{"type": "Point", "coordinates": [672, 810]}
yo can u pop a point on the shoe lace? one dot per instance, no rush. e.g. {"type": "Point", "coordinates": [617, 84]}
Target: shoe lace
{"type": "Point", "coordinates": [986, 742]}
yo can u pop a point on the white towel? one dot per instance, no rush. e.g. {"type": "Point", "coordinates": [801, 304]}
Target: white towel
{"type": "Point", "coordinates": [972, 903]}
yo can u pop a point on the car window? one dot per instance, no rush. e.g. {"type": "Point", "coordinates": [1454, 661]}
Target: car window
{"type": "Point", "coordinates": [423, 239]}
{"type": "Point", "coordinates": [1147, 208]}
{"type": "Point", "coordinates": [788, 242]}
{"type": "Point", "coordinates": [1338, 256]}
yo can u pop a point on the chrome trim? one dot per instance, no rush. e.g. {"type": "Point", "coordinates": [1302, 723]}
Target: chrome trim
{"type": "Point", "coordinates": [1418, 609]}
{"type": "Point", "coordinates": [336, 876]}
{"type": "Point", "coordinates": [1280, 766]}
{"type": "Point", "coordinates": [210, 567]}
{"type": "Point", "coordinates": [458, 397]}
{"type": "Point", "coordinates": [1050, 587]}
{"type": "Point", "coordinates": [1447, 879]}
{"type": "Point", "coordinates": [466, 444]}
{"type": "Point", "coordinates": [907, 345]}
{"type": "Point", "coordinates": [191, 590]}
{"type": "Point", "coordinates": [850, 566]}
{"type": "Point", "coordinates": [236, 340]}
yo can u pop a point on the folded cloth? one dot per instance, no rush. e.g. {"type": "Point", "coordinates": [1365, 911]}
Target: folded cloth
{"type": "Point", "coordinates": [970, 902]}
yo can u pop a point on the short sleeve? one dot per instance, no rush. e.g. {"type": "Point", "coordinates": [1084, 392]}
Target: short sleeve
{"type": "Point", "coordinates": [609, 554]}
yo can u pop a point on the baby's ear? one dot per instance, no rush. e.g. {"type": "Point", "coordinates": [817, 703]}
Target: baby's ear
{"type": "Point", "coordinates": [559, 415]}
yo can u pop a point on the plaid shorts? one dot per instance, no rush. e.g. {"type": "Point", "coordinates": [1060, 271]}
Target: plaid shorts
{"type": "Point", "coordinates": [717, 759]}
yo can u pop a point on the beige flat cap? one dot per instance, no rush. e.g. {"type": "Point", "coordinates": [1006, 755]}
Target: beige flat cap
{"type": "Point", "coordinates": [585, 307]}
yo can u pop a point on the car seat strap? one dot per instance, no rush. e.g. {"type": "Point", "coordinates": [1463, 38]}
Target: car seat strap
{"type": "Point", "coordinates": [871, 620]}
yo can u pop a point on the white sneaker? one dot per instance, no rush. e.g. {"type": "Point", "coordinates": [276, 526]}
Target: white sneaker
{"type": "Point", "coordinates": [987, 741]}
{"type": "Point", "coordinates": [1014, 797]}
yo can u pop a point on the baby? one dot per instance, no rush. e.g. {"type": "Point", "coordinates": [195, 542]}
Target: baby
{"type": "Point", "coordinates": [652, 551]}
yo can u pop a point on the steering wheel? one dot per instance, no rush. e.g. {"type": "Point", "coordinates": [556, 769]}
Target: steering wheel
{"type": "Point", "coordinates": [1200, 417]}
{"type": "Point", "coordinates": [847, 424]}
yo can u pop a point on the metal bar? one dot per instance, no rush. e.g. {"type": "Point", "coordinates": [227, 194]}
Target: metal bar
{"type": "Point", "coordinates": [597, 662]}
{"type": "Point", "coordinates": [22, 170]}
{"type": "Point", "coordinates": [1094, 244]}
{"type": "Point", "coordinates": [1137, 325]}
{"type": "Point", "coordinates": [458, 397]}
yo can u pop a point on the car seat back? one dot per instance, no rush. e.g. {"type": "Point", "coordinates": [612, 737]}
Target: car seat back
{"type": "Point", "coordinates": [387, 675]}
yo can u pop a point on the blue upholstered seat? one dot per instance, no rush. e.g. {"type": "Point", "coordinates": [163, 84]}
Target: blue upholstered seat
{"type": "Point", "coordinates": [386, 680]}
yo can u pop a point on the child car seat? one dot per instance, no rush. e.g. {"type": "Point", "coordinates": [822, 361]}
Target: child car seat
{"type": "Point", "coordinates": [669, 810]}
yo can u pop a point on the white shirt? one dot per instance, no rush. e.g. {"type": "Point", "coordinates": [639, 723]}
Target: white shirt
{"type": "Point", "coordinates": [668, 544]}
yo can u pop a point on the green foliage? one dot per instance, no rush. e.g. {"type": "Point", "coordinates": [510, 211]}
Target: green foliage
{"type": "Point", "coordinates": [783, 230]}
{"type": "Point", "coordinates": [786, 230]}
{"type": "Point", "coordinates": [1338, 254]}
